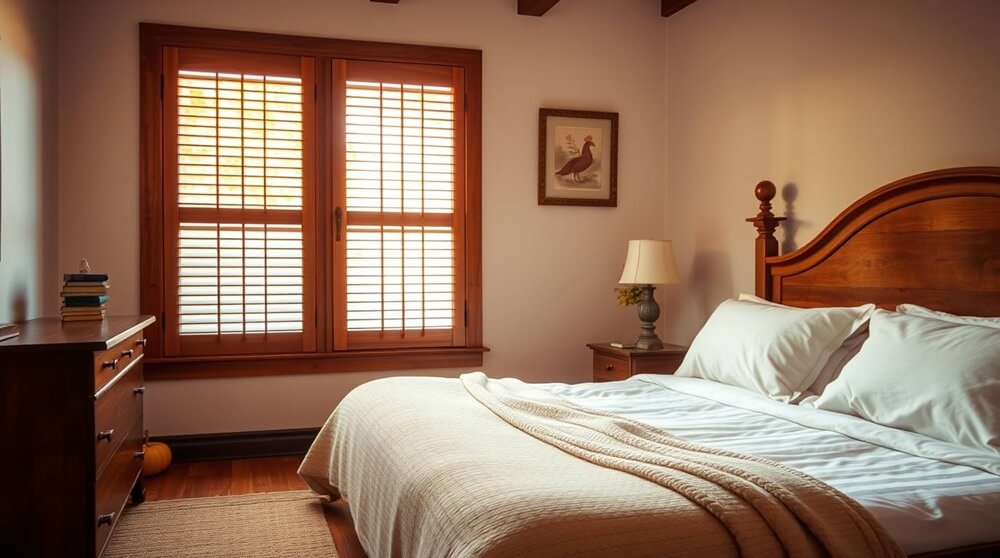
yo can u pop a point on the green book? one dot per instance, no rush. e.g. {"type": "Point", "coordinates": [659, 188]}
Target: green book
{"type": "Point", "coordinates": [85, 300]}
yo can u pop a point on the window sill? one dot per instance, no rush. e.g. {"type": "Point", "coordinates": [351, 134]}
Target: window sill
{"type": "Point", "coordinates": [234, 366]}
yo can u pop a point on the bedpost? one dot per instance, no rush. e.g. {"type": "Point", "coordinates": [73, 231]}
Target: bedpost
{"type": "Point", "coordinates": [766, 245]}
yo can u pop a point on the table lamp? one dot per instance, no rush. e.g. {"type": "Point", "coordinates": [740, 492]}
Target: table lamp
{"type": "Point", "coordinates": [649, 262]}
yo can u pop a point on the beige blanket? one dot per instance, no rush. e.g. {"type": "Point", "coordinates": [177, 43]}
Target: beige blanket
{"type": "Point", "coordinates": [436, 467]}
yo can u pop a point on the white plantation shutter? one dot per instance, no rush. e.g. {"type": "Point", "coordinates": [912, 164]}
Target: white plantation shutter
{"type": "Point", "coordinates": [238, 192]}
{"type": "Point", "coordinates": [403, 201]}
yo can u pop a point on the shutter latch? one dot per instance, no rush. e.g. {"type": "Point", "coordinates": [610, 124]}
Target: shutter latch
{"type": "Point", "coordinates": [338, 221]}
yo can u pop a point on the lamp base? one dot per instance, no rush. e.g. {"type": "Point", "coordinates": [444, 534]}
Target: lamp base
{"type": "Point", "coordinates": [647, 344]}
{"type": "Point", "coordinates": [649, 312]}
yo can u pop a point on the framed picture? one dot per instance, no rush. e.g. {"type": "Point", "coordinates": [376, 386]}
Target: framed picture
{"type": "Point", "coordinates": [577, 157]}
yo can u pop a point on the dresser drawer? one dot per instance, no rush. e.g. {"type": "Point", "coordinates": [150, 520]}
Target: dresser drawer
{"type": "Point", "coordinates": [608, 368]}
{"type": "Point", "coordinates": [107, 364]}
{"type": "Point", "coordinates": [115, 483]}
{"type": "Point", "coordinates": [118, 406]}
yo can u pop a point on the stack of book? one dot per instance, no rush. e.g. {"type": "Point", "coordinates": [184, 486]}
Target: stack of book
{"type": "Point", "coordinates": [85, 296]}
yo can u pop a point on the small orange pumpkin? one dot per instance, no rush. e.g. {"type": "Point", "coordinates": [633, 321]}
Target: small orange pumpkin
{"type": "Point", "coordinates": [157, 457]}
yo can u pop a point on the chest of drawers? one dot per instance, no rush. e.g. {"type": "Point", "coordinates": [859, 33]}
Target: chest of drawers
{"type": "Point", "coordinates": [71, 433]}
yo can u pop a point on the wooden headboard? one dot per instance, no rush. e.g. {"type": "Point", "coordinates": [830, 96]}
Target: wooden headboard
{"type": "Point", "coordinates": [932, 239]}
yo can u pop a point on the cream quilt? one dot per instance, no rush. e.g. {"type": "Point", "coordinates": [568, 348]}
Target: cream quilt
{"type": "Point", "coordinates": [435, 467]}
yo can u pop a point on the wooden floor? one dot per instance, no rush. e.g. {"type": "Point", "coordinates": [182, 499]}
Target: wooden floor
{"type": "Point", "coordinates": [246, 476]}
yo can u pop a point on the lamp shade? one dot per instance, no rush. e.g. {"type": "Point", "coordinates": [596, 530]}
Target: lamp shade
{"type": "Point", "coordinates": [650, 262]}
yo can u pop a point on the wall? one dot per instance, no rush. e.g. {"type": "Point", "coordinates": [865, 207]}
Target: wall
{"type": "Point", "coordinates": [828, 99]}
{"type": "Point", "coordinates": [548, 271]}
{"type": "Point", "coordinates": [28, 134]}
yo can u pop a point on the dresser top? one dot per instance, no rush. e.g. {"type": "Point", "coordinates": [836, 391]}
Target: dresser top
{"type": "Point", "coordinates": [55, 335]}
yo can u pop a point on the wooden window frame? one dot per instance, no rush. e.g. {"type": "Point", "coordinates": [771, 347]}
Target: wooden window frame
{"type": "Point", "coordinates": [154, 38]}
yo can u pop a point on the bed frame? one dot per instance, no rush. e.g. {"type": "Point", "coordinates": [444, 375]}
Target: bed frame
{"type": "Point", "coordinates": [932, 239]}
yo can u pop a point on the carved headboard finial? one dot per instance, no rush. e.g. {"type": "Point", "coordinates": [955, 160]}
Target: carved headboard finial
{"type": "Point", "coordinates": [767, 245]}
{"type": "Point", "coordinates": [765, 191]}
{"type": "Point", "coordinates": [765, 221]}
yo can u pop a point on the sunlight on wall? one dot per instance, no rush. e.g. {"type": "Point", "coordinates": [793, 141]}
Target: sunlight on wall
{"type": "Point", "coordinates": [28, 228]}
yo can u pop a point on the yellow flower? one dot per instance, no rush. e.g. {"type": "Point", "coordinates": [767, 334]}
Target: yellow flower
{"type": "Point", "coordinates": [628, 296]}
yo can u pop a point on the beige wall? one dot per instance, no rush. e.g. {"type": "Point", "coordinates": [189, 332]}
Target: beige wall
{"type": "Point", "coordinates": [28, 120]}
{"type": "Point", "coordinates": [548, 271]}
{"type": "Point", "coordinates": [829, 99]}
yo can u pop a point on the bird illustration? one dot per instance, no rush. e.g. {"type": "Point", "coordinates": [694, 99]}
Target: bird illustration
{"type": "Point", "coordinates": [580, 163]}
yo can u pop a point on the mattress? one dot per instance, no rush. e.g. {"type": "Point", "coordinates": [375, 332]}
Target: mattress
{"type": "Point", "coordinates": [929, 495]}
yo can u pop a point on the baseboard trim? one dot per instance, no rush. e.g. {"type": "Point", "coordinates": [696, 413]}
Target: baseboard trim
{"type": "Point", "coordinates": [239, 445]}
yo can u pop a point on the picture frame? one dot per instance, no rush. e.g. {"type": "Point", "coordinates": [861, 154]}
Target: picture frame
{"type": "Point", "coordinates": [577, 157]}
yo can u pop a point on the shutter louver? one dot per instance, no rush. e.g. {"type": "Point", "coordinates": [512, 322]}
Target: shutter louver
{"type": "Point", "coordinates": [400, 278]}
{"type": "Point", "coordinates": [400, 148]}
{"type": "Point", "coordinates": [402, 258]}
{"type": "Point", "coordinates": [240, 199]}
{"type": "Point", "coordinates": [239, 278]}
{"type": "Point", "coordinates": [239, 141]}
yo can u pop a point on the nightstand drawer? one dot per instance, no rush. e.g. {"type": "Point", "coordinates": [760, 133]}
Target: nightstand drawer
{"type": "Point", "coordinates": [608, 368]}
{"type": "Point", "coordinates": [613, 363]}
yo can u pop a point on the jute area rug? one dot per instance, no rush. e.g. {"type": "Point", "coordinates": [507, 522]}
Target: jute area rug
{"type": "Point", "coordinates": [276, 524]}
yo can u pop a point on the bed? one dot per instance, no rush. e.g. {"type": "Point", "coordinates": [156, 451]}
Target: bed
{"type": "Point", "coordinates": [773, 438]}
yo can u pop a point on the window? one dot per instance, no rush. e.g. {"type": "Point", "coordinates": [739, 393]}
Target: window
{"type": "Point", "coordinates": [312, 207]}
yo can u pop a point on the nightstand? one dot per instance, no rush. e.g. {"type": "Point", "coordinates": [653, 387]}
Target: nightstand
{"type": "Point", "coordinates": [611, 363]}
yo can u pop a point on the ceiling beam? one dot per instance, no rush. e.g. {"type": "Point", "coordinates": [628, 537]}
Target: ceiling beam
{"type": "Point", "coordinates": [534, 7]}
{"type": "Point", "coordinates": [671, 7]}
{"type": "Point", "coordinates": [538, 8]}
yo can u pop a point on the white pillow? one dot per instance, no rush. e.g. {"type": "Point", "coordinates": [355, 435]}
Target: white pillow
{"type": "Point", "coordinates": [924, 375]}
{"type": "Point", "coordinates": [775, 350]}
{"type": "Point", "coordinates": [915, 310]}
{"type": "Point", "coordinates": [844, 352]}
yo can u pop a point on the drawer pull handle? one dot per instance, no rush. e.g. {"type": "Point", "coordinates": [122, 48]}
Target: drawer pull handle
{"type": "Point", "coordinates": [127, 354]}
{"type": "Point", "coordinates": [105, 434]}
{"type": "Point", "coordinates": [141, 454]}
{"type": "Point", "coordinates": [110, 363]}
{"type": "Point", "coordinates": [139, 390]}
{"type": "Point", "coordinates": [106, 519]}
{"type": "Point", "coordinates": [140, 342]}
{"type": "Point", "coordinates": [609, 367]}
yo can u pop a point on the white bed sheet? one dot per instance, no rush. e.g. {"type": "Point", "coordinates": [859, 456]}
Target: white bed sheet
{"type": "Point", "coordinates": [929, 495]}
